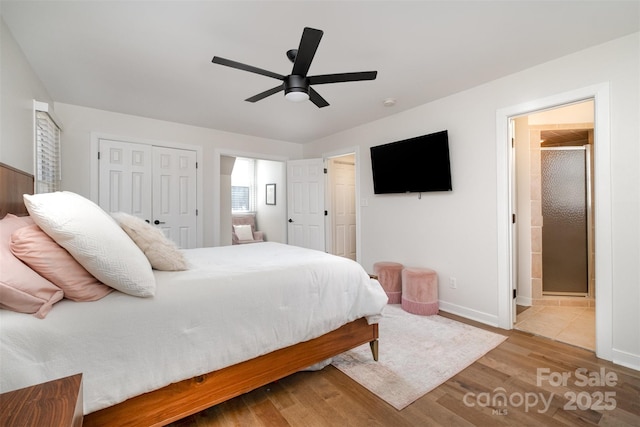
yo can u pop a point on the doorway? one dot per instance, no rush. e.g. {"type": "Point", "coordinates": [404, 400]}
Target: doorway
{"type": "Point", "coordinates": [603, 226]}
{"type": "Point", "coordinates": [323, 203]}
{"type": "Point", "coordinates": [553, 193]}
{"type": "Point", "coordinates": [256, 176]}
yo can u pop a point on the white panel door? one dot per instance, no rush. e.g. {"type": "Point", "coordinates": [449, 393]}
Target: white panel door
{"type": "Point", "coordinates": [305, 203]}
{"type": "Point", "coordinates": [174, 194]}
{"type": "Point", "coordinates": [125, 178]}
{"type": "Point", "coordinates": [344, 209]}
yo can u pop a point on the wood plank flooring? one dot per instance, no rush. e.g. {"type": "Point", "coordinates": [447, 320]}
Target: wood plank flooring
{"type": "Point", "coordinates": [594, 392]}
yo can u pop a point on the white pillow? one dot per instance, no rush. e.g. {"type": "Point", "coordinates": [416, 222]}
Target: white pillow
{"type": "Point", "coordinates": [243, 232]}
{"type": "Point", "coordinates": [161, 252]}
{"type": "Point", "coordinates": [94, 239]}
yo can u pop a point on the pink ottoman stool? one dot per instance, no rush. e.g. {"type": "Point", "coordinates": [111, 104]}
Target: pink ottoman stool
{"type": "Point", "coordinates": [420, 291]}
{"type": "Point", "coordinates": [390, 277]}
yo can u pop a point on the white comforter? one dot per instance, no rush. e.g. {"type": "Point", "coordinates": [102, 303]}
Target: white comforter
{"type": "Point", "coordinates": [235, 303]}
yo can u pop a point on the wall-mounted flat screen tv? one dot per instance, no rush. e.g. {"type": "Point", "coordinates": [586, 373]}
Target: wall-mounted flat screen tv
{"type": "Point", "coordinates": [415, 165]}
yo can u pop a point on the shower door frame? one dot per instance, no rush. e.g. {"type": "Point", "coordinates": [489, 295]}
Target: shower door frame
{"type": "Point", "coordinates": [587, 148]}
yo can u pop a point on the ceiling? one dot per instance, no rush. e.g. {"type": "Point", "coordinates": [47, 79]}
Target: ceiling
{"type": "Point", "coordinates": [564, 137]}
{"type": "Point", "coordinates": [153, 58]}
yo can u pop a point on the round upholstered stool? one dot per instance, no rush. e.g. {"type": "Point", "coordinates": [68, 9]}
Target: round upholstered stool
{"type": "Point", "coordinates": [420, 291]}
{"type": "Point", "coordinates": [390, 277]}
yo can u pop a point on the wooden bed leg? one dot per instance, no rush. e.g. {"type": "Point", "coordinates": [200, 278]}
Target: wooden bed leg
{"type": "Point", "coordinates": [374, 349]}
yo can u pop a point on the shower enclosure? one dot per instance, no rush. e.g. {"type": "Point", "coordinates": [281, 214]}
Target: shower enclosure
{"type": "Point", "coordinates": [565, 184]}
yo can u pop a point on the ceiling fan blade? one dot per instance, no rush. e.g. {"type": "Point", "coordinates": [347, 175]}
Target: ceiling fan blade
{"type": "Point", "coordinates": [317, 99]}
{"type": "Point", "coordinates": [306, 51]}
{"type": "Point", "coordinates": [245, 67]}
{"type": "Point", "coordinates": [342, 77]}
{"type": "Point", "coordinates": [266, 93]}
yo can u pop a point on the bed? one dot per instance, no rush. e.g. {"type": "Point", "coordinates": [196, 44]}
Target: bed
{"type": "Point", "coordinates": [240, 317]}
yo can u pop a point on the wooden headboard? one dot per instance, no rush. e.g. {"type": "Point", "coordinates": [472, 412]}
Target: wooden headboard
{"type": "Point", "coordinates": [13, 184]}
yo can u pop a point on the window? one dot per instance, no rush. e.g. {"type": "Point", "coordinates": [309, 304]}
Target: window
{"type": "Point", "coordinates": [239, 198]}
{"type": "Point", "coordinates": [243, 185]}
{"type": "Point", "coordinates": [47, 151]}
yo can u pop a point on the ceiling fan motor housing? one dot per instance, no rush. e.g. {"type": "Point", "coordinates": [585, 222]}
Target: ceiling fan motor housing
{"type": "Point", "coordinates": [295, 83]}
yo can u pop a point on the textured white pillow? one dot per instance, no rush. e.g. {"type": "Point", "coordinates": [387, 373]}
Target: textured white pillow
{"type": "Point", "coordinates": [243, 232]}
{"type": "Point", "coordinates": [94, 239]}
{"type": "Point", "coordinates": [161, 252]}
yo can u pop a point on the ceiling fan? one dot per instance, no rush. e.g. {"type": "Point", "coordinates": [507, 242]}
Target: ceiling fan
{"type": "Point", "coordinates": [297, 85]}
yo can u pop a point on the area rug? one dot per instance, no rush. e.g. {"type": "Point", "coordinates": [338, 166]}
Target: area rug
{"type": "Point", "coordinates": [416, 355]}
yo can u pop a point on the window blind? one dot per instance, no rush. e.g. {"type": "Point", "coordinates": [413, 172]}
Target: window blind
{"type": "Point", "coordinates": [47, 174]}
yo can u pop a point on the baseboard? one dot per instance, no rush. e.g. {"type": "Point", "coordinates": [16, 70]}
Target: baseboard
{"type": "Point", "coordinates": [626, 359]}
{"type": "Point", "coordinates": [478, 316]}
{"type": "Point", "coordinates": [525, 301]}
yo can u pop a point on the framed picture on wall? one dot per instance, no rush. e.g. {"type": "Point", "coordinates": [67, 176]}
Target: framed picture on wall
{"type": "Point", "coordinates": [271, 194]}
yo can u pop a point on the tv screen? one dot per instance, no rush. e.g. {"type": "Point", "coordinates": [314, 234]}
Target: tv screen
{"type": "Point", "coordinates": [415, 165]}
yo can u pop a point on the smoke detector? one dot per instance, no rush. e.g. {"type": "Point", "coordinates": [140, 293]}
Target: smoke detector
{"type": "Point", "coordinates": [389, 102]}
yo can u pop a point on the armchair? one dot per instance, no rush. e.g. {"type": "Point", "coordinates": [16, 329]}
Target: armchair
{"type": "Point", "coordinates": [243, 229]}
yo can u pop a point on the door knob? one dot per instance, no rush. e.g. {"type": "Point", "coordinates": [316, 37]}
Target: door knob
{"type": "Point", "coordinates": [156, 222]}
{"type": "Point", "coordinates": [290, 220]}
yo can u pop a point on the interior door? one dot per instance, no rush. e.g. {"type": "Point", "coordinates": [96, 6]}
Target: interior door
{"type": "Point", "coordinates": [174, 194]}
{"type": "Point", "coordinates": [514, 227]}
{"type": "Point", "coordinates": [125, 178]}
{"type": "Point", "coordinates": [305, 203]}
{"type": "Point", "coordinates": [343, 206]}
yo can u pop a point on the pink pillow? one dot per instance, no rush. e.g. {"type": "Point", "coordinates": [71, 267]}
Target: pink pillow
{"type": "Point", "coordinates": [21, 288]}
{"type": "Point", "coordinates": [27, 219]}
{"type": "Point", "coordinates": [40, 252]}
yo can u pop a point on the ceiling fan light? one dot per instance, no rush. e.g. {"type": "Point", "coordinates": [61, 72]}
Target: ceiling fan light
{"type": "Point", "coordinates": [296, 96]}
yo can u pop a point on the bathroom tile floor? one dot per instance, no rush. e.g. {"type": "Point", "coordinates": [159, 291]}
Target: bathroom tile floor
{"type": "Point", "coordinates": [571, 325]}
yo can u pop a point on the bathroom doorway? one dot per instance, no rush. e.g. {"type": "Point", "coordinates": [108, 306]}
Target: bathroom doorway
{"type": "Point", "coordinates": [555, 253]}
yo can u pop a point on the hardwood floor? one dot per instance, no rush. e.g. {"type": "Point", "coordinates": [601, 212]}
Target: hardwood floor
{"type": "Point", "coordinates": [593, 392]}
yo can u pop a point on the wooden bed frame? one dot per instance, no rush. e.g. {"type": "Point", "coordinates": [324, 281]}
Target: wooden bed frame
{"type": "Point", "coordinates": [181, 399]}
{"type": "Point", "coordinates": [187, 397]}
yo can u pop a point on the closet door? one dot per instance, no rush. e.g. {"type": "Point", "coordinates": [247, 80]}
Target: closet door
{"type": "Point", "coordinates": [125, 178]}
{"type": "Point", "coordinates": [156, 184]}
{"type": "Point", "coordinates": [174, 194]}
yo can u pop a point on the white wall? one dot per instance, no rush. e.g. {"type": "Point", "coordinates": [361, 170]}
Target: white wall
{"type": "Point", "coordinates": [577, 113]}
{"type": "Point", "coordinates": [456, 233]}
{"type": "Point", "coordinates": [271, 218]}
{"type": "Point", "coordinates": [19, 87]}
{"type": "Point", "coordinates": [81, 122]}
{"type": "Point", "coordinates": [226, 223]}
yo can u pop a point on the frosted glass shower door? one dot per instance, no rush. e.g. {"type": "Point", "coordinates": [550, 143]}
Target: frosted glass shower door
{"type": "Point", "coordinates": [564, 212]}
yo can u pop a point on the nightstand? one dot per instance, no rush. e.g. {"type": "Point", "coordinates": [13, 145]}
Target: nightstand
{"type": "Point", "coordinates": [54, 403]}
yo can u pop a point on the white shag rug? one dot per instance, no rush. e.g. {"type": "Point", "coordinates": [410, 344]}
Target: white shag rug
{"type": "Point", "coordinates": [416, 355]}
